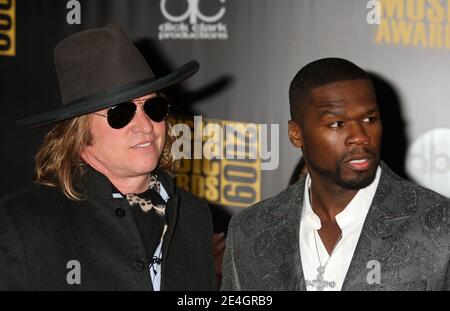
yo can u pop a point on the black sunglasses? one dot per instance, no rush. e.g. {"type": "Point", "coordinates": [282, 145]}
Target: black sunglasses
{"type": "Point", "coordinates": [156, 108]}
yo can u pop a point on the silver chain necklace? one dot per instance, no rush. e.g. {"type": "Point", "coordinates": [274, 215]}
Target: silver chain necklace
{"type": "Point", "coordinates": [332, 251]}
{"type": "Point", "coordinates": [320, 283]}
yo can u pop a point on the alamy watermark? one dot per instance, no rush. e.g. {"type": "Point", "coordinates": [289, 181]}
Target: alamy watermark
{"type": "Point", "coordinates": [374, 14]}
{"type": "Point", "coordinates": [74, 275]}
{"type": "Point", "coordinates": [238, 141]}
{"type": "Point", "coordinates": [374, 275]}
{"type": "Point", "coordinates": [74, 15]}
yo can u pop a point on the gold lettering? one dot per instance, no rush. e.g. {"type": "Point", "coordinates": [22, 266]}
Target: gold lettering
{"type": "Point", "coordinates": [392, 8]}
{"type": "Point", "coordinates": [185, 166]}
{"type": "Point", "coordinates": [383, 32]}
{"type": "Point", "coordinates": [420, 35]}
{"type": "Point", "coordinates": [198, 186]}
{"type": "Point", "coordinates": [448, 10]}
{"type": "Point", "coordinates": [211, 168]}
{"type": "Point", "coordinates": [212, 191]}
{"type": "Point", "coordinates": [435, 35]}
{"type": "Point", "coordinates": [8, 27]}
{"type": "Point", "coordinates": [196, 166]}
{"type": "Point", "coordinates": [447, 36]}
{"type": "Point", "coordinates": [415, 10]}
{"type": "Point", "coordinates": [401, 31]}
{"type": "Point", "coordinates": [182, 181]}
{"type": "Point", "coordinates": [436, 12]}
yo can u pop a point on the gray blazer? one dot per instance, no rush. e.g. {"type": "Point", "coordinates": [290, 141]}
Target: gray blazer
{"type": "Point", "coordinates": [407, 230]}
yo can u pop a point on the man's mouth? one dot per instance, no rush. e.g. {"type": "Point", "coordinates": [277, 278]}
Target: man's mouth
{"type": "Point", "coordinates": [360, 164]}
{"type": "Point", "coordinates": [143, 145]}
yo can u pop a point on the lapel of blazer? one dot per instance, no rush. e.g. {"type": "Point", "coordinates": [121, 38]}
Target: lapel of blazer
{"type": "Point", "coordinates": [278, 244]}
{"type": "Point", "coordinates": [387, 217]}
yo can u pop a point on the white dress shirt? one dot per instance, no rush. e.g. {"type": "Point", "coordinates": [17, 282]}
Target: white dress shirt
{"type": "Point", "coordinates": [350, 221]}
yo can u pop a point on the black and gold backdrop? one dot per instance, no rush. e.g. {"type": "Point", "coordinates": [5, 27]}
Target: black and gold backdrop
{"type": "Point", "coordinates": [249, 50]}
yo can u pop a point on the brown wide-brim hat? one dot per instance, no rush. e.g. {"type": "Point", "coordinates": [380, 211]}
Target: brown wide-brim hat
{"type": "Point", "coordinates": [100, 68]}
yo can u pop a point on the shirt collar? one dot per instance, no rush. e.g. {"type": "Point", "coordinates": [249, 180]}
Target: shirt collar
{"type": "Point", "coordinates": [309, 218]}
{"type": "Point", "coordinates": [354, 212]}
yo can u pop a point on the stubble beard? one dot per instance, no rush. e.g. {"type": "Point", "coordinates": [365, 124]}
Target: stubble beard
{"type": "Point", "coordinates": [363, 179]}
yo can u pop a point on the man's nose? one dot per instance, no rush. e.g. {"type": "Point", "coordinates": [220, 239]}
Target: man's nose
{"type": "Point", "coordinates": [141, 122]}
{"type": "Point", "coordinates": [357, 134]}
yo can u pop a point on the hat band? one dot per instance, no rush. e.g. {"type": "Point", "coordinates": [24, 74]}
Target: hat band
{"type": "Point", "coordinates": [111, 92]}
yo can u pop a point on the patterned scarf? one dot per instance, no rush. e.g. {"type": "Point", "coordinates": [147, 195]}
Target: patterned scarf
{"type": "Point", "coordinates": [150, 200]}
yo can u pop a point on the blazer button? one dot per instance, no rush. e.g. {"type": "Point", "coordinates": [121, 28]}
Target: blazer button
{"type": "Point", "coordinates": [120, 212]}
{"type": "Point", "coordinates": [139, 265]}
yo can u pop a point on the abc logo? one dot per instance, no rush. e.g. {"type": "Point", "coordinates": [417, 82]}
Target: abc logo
{"type": "Point", "coordinates": [192, 12]}
{"type": "Point", "coordinates": [428, 160]}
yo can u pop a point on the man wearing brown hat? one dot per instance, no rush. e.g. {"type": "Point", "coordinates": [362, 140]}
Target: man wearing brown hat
{"type": "Point", "coordinates": [104, 213]}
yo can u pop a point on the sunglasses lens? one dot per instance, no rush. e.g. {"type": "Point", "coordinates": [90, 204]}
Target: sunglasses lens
{"type": "Point", "coordinates": [121, 114]}
{"type": "Point", "coordinates": [157, 108]}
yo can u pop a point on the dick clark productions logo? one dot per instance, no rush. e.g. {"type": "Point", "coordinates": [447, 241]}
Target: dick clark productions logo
{"type": "Point", "coordinates": [192, 24]}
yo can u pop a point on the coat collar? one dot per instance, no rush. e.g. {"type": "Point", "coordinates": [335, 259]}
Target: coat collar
{"type": "Point", "coordinates": [388, 215]}
{"type": "Point", "coordinates": [98, 185]}
{"type": "Point", "coordinates": [278, 249]}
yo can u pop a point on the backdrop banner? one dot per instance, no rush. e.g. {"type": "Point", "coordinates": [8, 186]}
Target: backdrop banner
{"type": "Point", "coordinates": [248, 51]}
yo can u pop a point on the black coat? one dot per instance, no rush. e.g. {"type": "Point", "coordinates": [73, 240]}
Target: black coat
{"type": "Point", "coordinates": [41, 230]}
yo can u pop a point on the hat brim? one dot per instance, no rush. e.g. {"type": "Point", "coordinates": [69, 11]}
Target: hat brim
{"type": "Point", "coordinates": [110, 98]}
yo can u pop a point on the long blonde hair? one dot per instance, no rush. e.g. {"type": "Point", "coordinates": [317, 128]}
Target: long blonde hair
{"type": "Point", "coordinates": [58, 159]}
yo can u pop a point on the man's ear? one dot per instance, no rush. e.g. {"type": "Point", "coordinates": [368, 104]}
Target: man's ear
{"type": "Point", "coordinates": [295, 134]}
